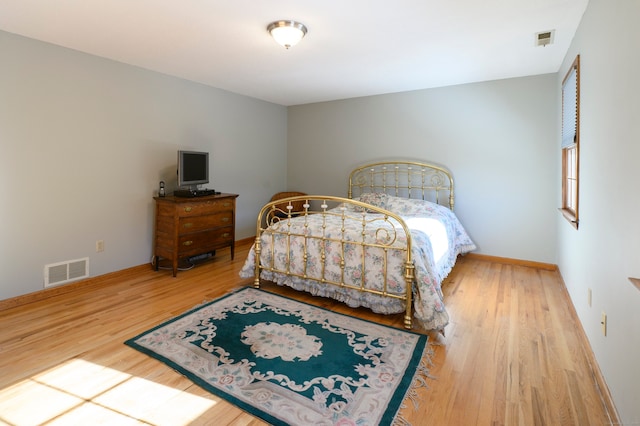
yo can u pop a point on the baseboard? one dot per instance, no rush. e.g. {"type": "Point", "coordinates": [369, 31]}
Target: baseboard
{"type": "Point", "coordinates": [94, 281]}
{"type": "Point", "coordinates": [66, 288]}
{"type": "Point", "coordinates": [46, 293]}
{"type": "Point", "coordinates": [247, 241]}
{"type": "Point", "coordinates": [506, 260]}
{"type": "Point", "coordinates": [605, 394]}
{"type": "Point", "coordinates": [510, 261]}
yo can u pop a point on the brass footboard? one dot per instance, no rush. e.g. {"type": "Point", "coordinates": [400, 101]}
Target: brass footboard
{"type": "Point", "coordinates": [336, 228]}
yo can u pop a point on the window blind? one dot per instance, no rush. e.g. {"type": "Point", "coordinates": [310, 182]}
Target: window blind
{"type": "Point", "coordinates": [569, 108]}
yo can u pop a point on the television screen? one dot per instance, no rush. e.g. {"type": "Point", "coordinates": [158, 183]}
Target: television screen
{"type": "Point", "coordinates": [193, 168]}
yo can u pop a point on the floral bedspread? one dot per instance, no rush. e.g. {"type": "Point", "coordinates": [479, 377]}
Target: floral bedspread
{"type": "Point", "coordinates": [437, 235]}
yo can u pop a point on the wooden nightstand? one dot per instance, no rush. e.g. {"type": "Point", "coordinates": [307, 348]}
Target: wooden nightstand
{"type": "Point", "coordinates": [191, 226]}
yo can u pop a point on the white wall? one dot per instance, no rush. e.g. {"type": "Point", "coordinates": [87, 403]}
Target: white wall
{"type": "Point", "coordinates": [84, 142]}
{"type": "Point", "coordinates": [605, 250]}
{"type": "Point", "coordinates": [498, 138]}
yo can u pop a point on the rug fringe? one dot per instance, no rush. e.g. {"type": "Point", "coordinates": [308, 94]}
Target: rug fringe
{"type": "Point", "coordinates": [419, 381]}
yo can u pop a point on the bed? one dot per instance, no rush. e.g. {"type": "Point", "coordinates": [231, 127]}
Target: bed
{"type": "Point", "coordinates": [388, 246]}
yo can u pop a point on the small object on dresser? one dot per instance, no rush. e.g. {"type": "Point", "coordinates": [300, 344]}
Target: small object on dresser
{"type": "Point", "coordinates": [192, 193]}
{"type": "Point", "coordinates": [161, 192]}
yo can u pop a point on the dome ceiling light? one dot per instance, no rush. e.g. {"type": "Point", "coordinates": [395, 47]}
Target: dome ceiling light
{"type": "Point", "coordinates": [287, 33]}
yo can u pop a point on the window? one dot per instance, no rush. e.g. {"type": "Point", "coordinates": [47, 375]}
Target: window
{"type": "Point", "coordinates": [571, 143]}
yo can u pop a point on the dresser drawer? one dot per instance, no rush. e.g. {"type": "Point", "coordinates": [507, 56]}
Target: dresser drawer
{"type": "Point", "coordinates": [165, 210]}
{"type": "Point", "coordinates": [198, 223]}
{"type": "Point", "coordinates": [201, 242]}
{"type": "Point", "coordinates": [203, 208]}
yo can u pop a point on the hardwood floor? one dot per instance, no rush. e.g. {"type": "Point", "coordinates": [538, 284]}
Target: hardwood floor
{"type": "Point", "coordinates": [513, 354]}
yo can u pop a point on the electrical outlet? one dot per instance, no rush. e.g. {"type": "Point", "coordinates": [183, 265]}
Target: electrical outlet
{"type": "Point", "coordinates": [99, 246]}
{"type": "Point", "coordinates": [603, 323]}
{"type": "Point", "coordinates": [589, 297]}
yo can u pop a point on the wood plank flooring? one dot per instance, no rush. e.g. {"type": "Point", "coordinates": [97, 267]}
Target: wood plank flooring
{"type": "Point", "coordinates": [513, 354]}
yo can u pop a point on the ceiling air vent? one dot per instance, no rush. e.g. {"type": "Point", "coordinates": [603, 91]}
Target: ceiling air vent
{"type": "Point", "coordinates": [64, 272]}
{"type": "Point", "coordinates": [545, 37]}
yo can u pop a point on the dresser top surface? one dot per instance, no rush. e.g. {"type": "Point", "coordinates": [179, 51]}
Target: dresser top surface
{"type": "Point", "coordinates": [174, 199]}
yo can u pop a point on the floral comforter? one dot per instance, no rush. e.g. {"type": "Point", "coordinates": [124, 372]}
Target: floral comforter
{"type": "Point", "coordinates": [438, 238]}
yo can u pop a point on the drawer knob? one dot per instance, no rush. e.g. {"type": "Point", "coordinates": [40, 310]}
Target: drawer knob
{"type": "Point", "coordinates": [225, 219]}
{"type": "Point", "coordinates": [187, 209]}
{"type": "Point", "coordinates": [188, 225]}
{"type": "Point", "coordinates": [226, 234]}
{"type": "Point", "coordinates": [227, 204]}
{"type": "Point", "coordinates": [187, 243]}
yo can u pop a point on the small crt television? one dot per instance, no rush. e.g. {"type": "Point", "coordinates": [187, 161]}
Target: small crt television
{"type": "Point", "coordinates": [193, 168]}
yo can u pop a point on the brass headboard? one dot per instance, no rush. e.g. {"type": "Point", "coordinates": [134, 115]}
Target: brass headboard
{"type": "Point", "coordinates": [409, 179]}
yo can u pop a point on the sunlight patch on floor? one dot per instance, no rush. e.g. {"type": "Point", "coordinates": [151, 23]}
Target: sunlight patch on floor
{"type": "Point", "coordinates": [81, 392]}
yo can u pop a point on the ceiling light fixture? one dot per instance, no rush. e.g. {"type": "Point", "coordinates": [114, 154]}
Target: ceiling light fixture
{"type": "Point", "coordinates": [287, 33]}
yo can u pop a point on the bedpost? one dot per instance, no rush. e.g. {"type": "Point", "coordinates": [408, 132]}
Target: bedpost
{"type": "Point", "coordinates": [451, 202]}
{"type": "Point", "coordinates": [257, 248]}
{"type": "Point", "coordinates": [409, 276]}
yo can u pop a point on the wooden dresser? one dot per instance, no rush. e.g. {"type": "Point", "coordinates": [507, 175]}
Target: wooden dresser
{"type": "Point", "coordinates": [188, 227]}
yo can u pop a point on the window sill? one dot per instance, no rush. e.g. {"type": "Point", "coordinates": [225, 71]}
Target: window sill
{"type": "Point", "coordinates": [571, 218]}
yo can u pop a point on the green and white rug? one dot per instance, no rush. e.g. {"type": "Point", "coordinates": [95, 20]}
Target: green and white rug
{"type": "Point", "coordinates": [292, 363]}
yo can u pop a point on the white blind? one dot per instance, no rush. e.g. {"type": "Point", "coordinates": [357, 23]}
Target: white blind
{"type": "Point", "coordinates": [569, 109]}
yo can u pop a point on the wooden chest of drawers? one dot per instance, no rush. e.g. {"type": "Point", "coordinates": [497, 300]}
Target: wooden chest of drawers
{"type": "Point", "coordinates": [191, 226]}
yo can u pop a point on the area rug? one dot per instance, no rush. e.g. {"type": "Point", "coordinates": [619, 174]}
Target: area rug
{"type": "Point", "coordinates": [292, 363]}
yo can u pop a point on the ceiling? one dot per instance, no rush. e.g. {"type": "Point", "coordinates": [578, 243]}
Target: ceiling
{"type": "Point", "coordinates": [353, 47]}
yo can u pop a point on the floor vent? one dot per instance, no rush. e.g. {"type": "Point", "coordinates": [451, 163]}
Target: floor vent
{"type": "Point", "coordinates": [64, 272]}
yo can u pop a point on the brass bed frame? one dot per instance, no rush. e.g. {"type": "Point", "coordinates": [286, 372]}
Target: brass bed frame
{"type": "Point", "coordinates": [409, 179]}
